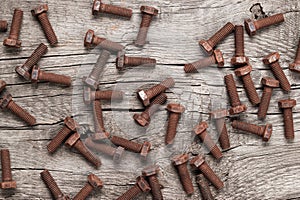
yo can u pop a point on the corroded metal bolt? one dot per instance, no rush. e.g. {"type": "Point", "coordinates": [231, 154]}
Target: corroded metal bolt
{"type": "Point", "coordinates": [236, 106]}
{"type": "Point", "coordinates": [215, 58]}
{"type": "Point", "coordinates": [295, 66]}
{"type": "Point", "coordinates": [269, 85]}
{"type": "Point", "coordinates": [39, 75]}
{"type": "Point", "coordinates": [53, 187]}
{"type": "Point", "coordinates": [253, 26]}
{"type": "Point", "coordinates": [151, 173]}
{"type": "Point", "coordinates": [12, 40]}
{"type": "Point", "coordinates": [287, 106]}
{"type": "Point", "coordinates": [98, 117]}
{"type": "Point", "coordinates": [219, 117]}
{"type": "Point", "coordinates": [208, 45]}
{"type": "Point", "coordinates": [89, 95]}
{"type": "Point", "coordinates": [41, 13]}
{"type": "Point", "coordinates": [141, 186]}
{"type": "Point", "coordinates": [146, 95]}
{"type": "Point", "coordinates": [24, 70]}
{"type": "Point", "coordinates": [3, 26]}
{"type": "Point", "coordinates": [99, 7]}
{"type": "Point", "coordinates": [204, 187]}
{"type": "Point", "coordinates": [144, 118]}
{"type": "Point", "coordinates": [244, 73]}
{"type": "Point", "coordinates": [70, 125]}
{"type": "Point", "coordinates": [239, 58]}
{"type": "Point", "coordinates": [75, 141]}
{"type": "Point", "coordinates": [180, 162]}
{"type": "Point", "coordinates": [6, 102]}
{"type": "Point", "coordinates": [92, 80]}
{"type": "Point", "coordinates": [199, 163]}
{"type": "Point", "coordinates": [175, 111]}
{"type": "Point", "coordinates": [135, 147]}
{"type": "Point", "coordinates": [148, 12]}
{"type": "Point", "coordinates": [93, 182]}
{"type": "Point", "coordinates": [7, 182]}
{"type": "Point", "coordinates": [122, 61]}
{"type": "Point", "coordinates": [273, 61]}
{"type": "Point", "coordinates": [2, 85]}
{"type": "Point", "coordinates": [92, 40]}
{"type": "Point", "coordinates": [201, 131]}
{"type": "Point", "coordinates": [263, 131]}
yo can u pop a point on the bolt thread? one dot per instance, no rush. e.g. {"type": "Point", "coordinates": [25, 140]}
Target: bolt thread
{"type": "Point", "coordinates": [288, 123]}
{"type": "Point", "coordinates": [100, 147]}
{"type": "Point", "coordinates": [268, 21]}
{"type": "Point", "coordinates": [20, 112]}
{"type": "Point", "coordinates": [210, 145]}
{"type": "Point", "coordinates": [51, 184]}
{"type": "Point", "coordinates": [55, 78]}
{"type": "Point", "coordinates": [143, 31]}
{"type": "Point", "coordinates": [239, 40]}
{"type": "Point", "coordinates": [155, 104]}
{"type": "Point", "coordinates": [35, 56]}
{"type": "Point", "coordinates": [107, 44]}
{"type": "Point", "coordinates": [137, 61]}
{"type": "Point", "coordinates": [48, 30]}
{"type": "Point", "coordinates": [185, 178]}
{"type": "Point", "coordinates": [116, 10]}
{"type": "Point", "coordinates": [58, 139]}
{"type": "Point", "coordinates": [155, 187]}
{"type": "Point", "coordinates": [232, 91]}
{"type": "Point", "coordinates": [297, 59]}
{"type": "Point", "coordinates": [279, 74]}
{"type": "Point", "coordinates": [98, 117]}
{"type": "Point", "coordinates": [128, 145]}
{"type": "Point", "coordinates": [16, 24]}
{"type": "Point", "coordinates": [159, 88]}
{"type": "Point", "coordinates": [251, 128]}
{"type": "Point", "coordinates": [205, 62]}
{"type": "Point", "coordinates": [5, 163]}
{"type": "Point", "coordinates": [204, 188]}
{"type": "Point", "coordinates": [131, 193]}
{"type": "Point", "coordinates": [223, 134]}
{"type": "Point", "coordinates": [79, 146]}
{"type": "Point", "coordinates": [221, 34]}
{"type": "Point", "coordinates": [250, 89]}
{"type": "Point", "coordinates": [109, 95]}
{"type": "Point", "coordinates": [264, 103]}
{"type": "Point", "coordinates": [211, 176]}
{"type": "Point", "coordinates": [101, 62]}
{"type": "Point", "coordinates": [172, 127]}
{"type": "Point", "coordinates": [3, 25]}
{"type": "Point", "coordinates": [84, 192]}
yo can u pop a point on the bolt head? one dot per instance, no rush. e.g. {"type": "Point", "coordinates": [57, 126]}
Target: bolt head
{"type": "Point", "coordinates": [5, 99]}
{"type": "Point", "coordinates": [237, 109]}
{"type": "Point", "coordinates": [118, 154]}
{"type": "Point", "coordinates": [23, 72]}
{"type": "Point", "coordinates": [206, 46]}
{"type": "Point", "coordinates": [270, 82]}
{"type": "Point", "coordinates": [149, 10]}
{"type": "Point", "coordinates": [175, 108]}
{"type": "Point", "coordinates": [143, 97]}
{"type": "Point", "coordinates": [12, 43]}
{"type": "Point", "coordinates": [295, 67]}
{"type": "Point", "coordinates": [95, 181]}
{"type": "Point", "coordinates": [143, 184]}
{"type": "Point", "coordinates": [72, 140]}
{"type": "Point", "coordinates": [287, 103]}
{"type": "Point", "coordinates": [150, 170]}
{"type": "Point", "coordinates": [2, 85]}
{"type": "Point", "coordinates": [96, 6]}
{"type": "Point", "coordinates": [180, 159]}
{"type": "Point", "coordinates": [120, 61]}
{"type": "Point", "coordinates": [35, 73]}
{"type": "Point", "coordinates": [99, 136]}
{"type": "Point", "coordinates": [141, 119]}
{"type": "Point", "coordinates": [197, 161]}
{"type": "Point", "coordinates": [267, 132]}
{"type": "Point", "coordinates": [92, 83]}
{"type": "Point", "coordinates": [250, 27]}
{"type": "Point", "coordinates": [200, 128]}
{"type": "Point", "coordinates": [218, 114]}
{"type": "Point", "coordinates": [239, 60]}
{"type": "Point", "coordinates": [8, 185]}
{"type": "Point", "coordinates": [219, 57]}
{"type": "Point", "coordinates": [145, 149]}
{"type": "Point", "coordinates": [89, 37]}
{"type": "Point", "coordinates": [271, 58]}
{"type": "Point", "coordinates": [71, 123]}
{"type": "Point", "coordinates": [88, 95]}
{"type": "Point", "coordinates": [39, 10]}
{"type": "Point", "coordinates": [242, 71]}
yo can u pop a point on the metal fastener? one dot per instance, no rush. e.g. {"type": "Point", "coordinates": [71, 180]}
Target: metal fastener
{"type": "Point", "coordinates": [41, 13]}
{"type": "Point", "coordinates": [215, 58]}
{"type": "Point", "coordinates": [147, 14]}
{"type": "Point", "coordinates": [180, 162]}
{"type": "Point", "coordinates": [99, 7]}
{"type": "Point", "coordinates": [219, 117]}
{"type": "Point", "coordinates": [175, 112]}
{"type": "Point", "coordinates": [204, 187]}
{"type": "Point", "coordinates": [146, 95]}
{"type": "Point", "coordinates": [93, 182]}
{"type": "Point", "coordinates": [253, 26]}
{"type": "Point", "coordinates": [98, 117]}
{"type": "Point", "coordinates": [2, 85]}
{"type": "Point", "coordinates": [208, 45]}
{"type": "Point", "coordinates": [236, 106]}
{"type": "Point", "coordinates": [12, 40]}
{"type": "Point", "coordinates": [273, 61]}
{"type": "Point", "coordinates": [7, 181]}
{"type": "Point", "coordinates": [201, 131]}
{"type": "Point", "coordinates": [295, 66]}
{"type": "Point", "coordinates": [123, 61]}
{"type": "Point", "coordinates": [269, 85]}
{"type": "Point", "coordinates": [151, 173]}
{"type": "Point", "coordinates": [90, 95]}
{"type": "Point", "coordinates": [3, 26]}
{"type": "Point", "coordinates": [287, 106]}
{"type": "Point", "coordinates": [239, 58]}
{"type": "Point", "coordinates": [199, 163]}
{"type": "Point", "coordinates": [6, 102]}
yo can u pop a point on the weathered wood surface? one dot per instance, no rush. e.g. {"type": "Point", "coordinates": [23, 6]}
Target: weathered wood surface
{"type": "Point", "coordinates": [250, 170]}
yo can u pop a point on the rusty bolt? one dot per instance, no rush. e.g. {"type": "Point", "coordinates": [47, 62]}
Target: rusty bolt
{"type": "Point", "coordinates": [180, 162]}
{"type": "Point", "coordinates": [141, 186]}
{"type": "Point", "coordinates": [208, 45]}
{"type": "Point", "coordinates": [98, 117]}
{"type": "Point", "coordinates": [144, 118]}
{"type": "Point", "coordinates": [295, 66]}
{"type": "Point", "coordinates": [236, 106]}
{"type": "Point", "coordinates": [219, 117]}
{"type": "Point", "coordinates": [253, 26]}
{"type": "Point", "coordinates": [12, 40]}
{"type": "Point", "coordinates": [151, 173]}
{"type": "Point", "coordinates": [53, 187]}
{"type": "Point", "coordinates": [75, 141]}
{"type": "Point", "coordinates": [41, 13]}
{"type": "Point", "coordinates": [6, 102]}
{"type": "Point", "coordinates": [239, 58]}
{"type": "Point", "coordinates": [70, 125]}
{"type": "Point", "coordinates": [2, 85]}
{"type": "Point", "coordinates": [175, 111]}
{"type": "Point", "coordinates": [273, 61]}
{"type": "Point", "coordinates": [269, 85]}
{"type": "Point", "coordinates": [263, 131]}
{"type": "Point", "coordinates": [216, 58]}
{"type": "Point", "coordinates": [199, 163]}
{"type": "Point", "coordinates": [146, 95]}
{"type": "Point", "coordinates": [3, 26]}
{"type": "Point", "coordinates": [99, 7]}
{"type": "Point", "coordinates": [287, 106]}
{"type": "Point", "coordinates": [122, 61]}
{"type": "Point", "coordinates": [89, 95]}
{"type": "Point", "coordinates": [204, 187]}
{"type": "Point", "coordinates": [244, 73]}
{"type": "Point", "coordinates": [93, 182]}
{"type": "Point", "coordinates": [7, 182]}
{"type": "Point", "coordinates": [147, 14]}
{"type": "Point", "coordinates": [200, 130]}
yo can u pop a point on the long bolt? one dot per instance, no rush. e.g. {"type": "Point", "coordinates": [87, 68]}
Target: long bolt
{"type": "Point", "coordinates": [208, 45]}
{"type": "Point", "coordinates": [219, 117]}
{"type": "Point", "coordinates": [175, 111]}
{"type": "Point", "coordinates": [93, 183]}
{"type": "Point", "coordinates": [3, 26]}
{"type": "Point", "coordinates": [7, 181]}
{"type": "Point", "coordinates": [239, 57]}
{"type": "Point", "coordinates": [148, 13]}
{"type": "Point", "coordinates": [98, 117]}
{"type": "Point", "coordinates": [12, 40]}
{"type": "Point", "coordinates": [122, 61]}
{"type": "Point", "coordinates": [204, 187]}
{"type": "Point", "coordinates": [141, 186]}
{"type": "Point", "coordinates": [287, 106]}
{"type": "Point", "coordinates": [41, 13]}
{"type": "Point", "coordinates": [151, 173]}
{"type": "Point", "coordinates": [295, 66]}
{"type": "Point", "coordinates": [99, 7]}
{"type": "Point", "coordinates": [215, 58]}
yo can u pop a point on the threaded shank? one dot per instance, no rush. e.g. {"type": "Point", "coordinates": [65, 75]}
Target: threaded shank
{"type": "Point", "coordinates": [107, 44]}
{"type": "Point", "coordinates": [79, 146]}
{"type": "Point", "coordinates": [5, 163]}
{"type": "Point", "coordinates": [35, 56]}
{"type": "Point", "coordinates": [232, 91]}
{"type": "Point", "coordinates": [250, 89]}
{"type": "Point", "coordinates": [98, 116]}
{"type": "Point", "coordinates": [221, 34]}
{"type": "Point", "coordinates": [268, 21]}
{"type": "Point", "coordinates": [264, 103]}
{"type": "Point", "coordinates": [101, 62]}
{"type": "Point", "coordinates": [84, 192]}
{"type": "Point", "coordinates": [159, 88]}
{"type": "Point", "coordinates": [109, 95]}
{"type": "Point", "coordinates": [100, 147]}
{"type": "Point", "coordinates": [204, 188]}
{"type": "Point", "coordinates": [3, 26]}
{"type": "Point", "coordinates": [155, 104]}
{"type": "Point", "coordinates": [210, 145]}
{"type": "Point", "coordinates": [58, 139]}
{"type": "Point", "coordinates": [251, 128]}
{"type": "Point", "coordinates": [126, 144]}
{"type": "Point", "coordinates": [223, 134]}
{"type": "Point", "coordinates": [137, 61]}
{"type": "Point", "coordinates": [16, 24]}
{"type": "Point", "coordinates": [20, 112]}
{"type": "Point", "coordinates": [131, 193]}
{"type": "Point", "coordinates": [143, 31]}
{"type": "Point", "coordinates": [279, 74]}
{"type": "Point", "coordinates": [185, 178]}
{"type": "Point", "coordinates": [239, 40]}
{"type": "Point", "coordinates": [155, 187]}
{"type": "Point", "coordinates": [288, 124]}
{"type": "Point", "coordinates": [47, 28]}
{"type": "Point", "coordinates": [55, 78]}
{"type": "Point", "coordinates": [211, 176]}
{"type": "Point", "coordinates": [172, 127]}
{"type": "Point", "coordinates": [116, 10]}
{"type": "Point", "coordinates": [51, 184]}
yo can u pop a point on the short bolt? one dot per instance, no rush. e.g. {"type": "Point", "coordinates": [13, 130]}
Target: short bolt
{"type": "Point", "coordinates": [204, 187]}
{"type": "Point", "coordinates": [215, 58]}
{"type": "Point", "coordinates": [99, 7]}
{"type": "Point", "coordinates": [287, 107]}
{"type": "Point", "coordinates": [2, 85]}
{"type": "Point", "coordinates": [93, 182]}
{"type": "Point", "coordinates": [219, 117]}
{"type": "Point", "coordinates": [12, 40]}
{"type": "Point", "coordinates": [295, 66]}
{"type": "Point", "coordinates": [208, 45]}
{"type": "Point", "coordinates": [151, 173]}
{"type": "Point", "coordinates": [90, 95]}
{"type": "Point", "coordinates": [7, 181]}
{"type": "Point", "coordinates": [239, 58]}
{"type": "Point", "coordinates": [123, 61]}
{"type": "Point", "coordinates": [3, 26]}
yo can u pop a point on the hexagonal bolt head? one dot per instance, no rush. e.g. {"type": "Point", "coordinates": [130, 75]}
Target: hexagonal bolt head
{"type": "Point", "coordinates": [295, 67]}
{"type": "Point", "coordinates": [143, 184]}
{"type": "Point", "coordinates": [271, 58]}
{"type": "Point", "coordinates": [96, 7]}
{"type": "Point", "coordinates": [175, 108]}
{"type": "Point", "coordinates": [118, 153]}
{"type": "Point", "coordinates": [200, 128]}
{"type": "Point", "coordinates": [2, 85]}
{"type": "Point", "coordinates": [270, 82]}
{"type": "Point", "coordinates": [149, 10]}
{"type": "Point", "coordinates": [237, 109]}
{"type": "Point", "coordinates": [71, 123]}
{"type": "Point", "coordinates": [242, 71]}
{"type": "Point", "coordinates": [180, 159]}
{"type": "Point", "coordinates": [5, 99]}
{"type": "Point", "coordinates": [197, 161]}
{"type": "Point", "coordinates": [92, 83]}
{"type": "Point", "coordinates": [143, 96]}
{"type": "Point", "coordinates": [88, 95]}
{"type": "Point", "coordinates": [8, 185]}
{"type": "Point", "coordinates": [250, 27]}
{"type": "Point", "coordinates": [267, 132]}
{"type": "Point", "coordinates": [120, 60]}
{"type": "Point", "coordinates": [145, 150]}
{"type": "Point", "coordinates": [12, 43]}
{"type": "Point", "coordinates": [287, 103]}
{"type": "Point", "coordinates": [89, 37]}
{"type": "Point", "coordinates": [239, 60]}
{"type": "Point", "coordinates": [139, 118]}
{"type": "Point", "coordinates": [35, 73]}
{"type": "Point", "coordinates": [206, 46]}
{"type": "Point", "coordinates": [219, 57]}
{"type": "Point", "coordinates": [150, 170]}
{"type": "Point", "coordinates": [22, 72]}
{"type": "Point", "coordinates": [218, 114]}
{"type": "Point", "coordinates": [95, 181]}
{"type": "Point", "coordinates": [71, 141]}
{"type": "Point", "coordinates": [39, 10]}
